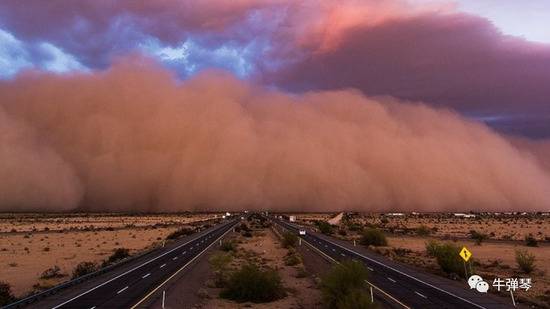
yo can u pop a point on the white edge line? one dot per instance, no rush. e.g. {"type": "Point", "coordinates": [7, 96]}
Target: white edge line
{"type": "Point", "coordinates": [404, 274]}
{"type": "Point", "coordinates": [374, 286]}
{"type": "Point", "coordinates": [174, 274]}
{"type": "Point", "coordinates": [127, 272]}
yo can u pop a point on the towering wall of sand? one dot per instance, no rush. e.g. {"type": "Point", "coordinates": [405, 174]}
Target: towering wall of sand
{"type": "Point", "coordinates": [136, 138]}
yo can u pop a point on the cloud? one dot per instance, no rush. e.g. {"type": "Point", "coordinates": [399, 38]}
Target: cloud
{"type": "Point", "coordinates": [98, 30]}
{"type": "Point", "coordinates": [444, 59]}
{"type": "Point", "coordinates": [414, 50]}
{"type": "Point", "coordinates": [135, 138]}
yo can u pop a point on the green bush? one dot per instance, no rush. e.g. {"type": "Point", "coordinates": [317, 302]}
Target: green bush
{"type": "Point", "coordinates": [324, 227]}
{"type": "Point", "coordinates": [118, 254]}
{"type": "Point", "coordinates": [447, 256]}
{"type": "Point", "coordinates": [374, 237]}
{"type": "Point", "coordinates": [184, 231]}
{"type": "Point", "coordinates": [477, 236]}
{"type": "Point", "coordinates": [228, 246]}
{"type": "Point", "coordinates": [220, 264]}
{"type": "Point", "coordinates": [6, 296]}
{"type": "Point", "coordinates": [355, 227]}
{"type": "Point", "coordinates": [530, 241]}
{"type": "Point", "coordinates": [52, 272]}
{"type": "Point", "coordinates": [423, 230]}
{"type": "Point", "coordinates": [525, 261]}
{"type": "Point", "coordinates": [356, 299]}
{"type": "Point", "coordinates": [289, 239]}
{"type": "Point", "coordinates": [292, 259]}
{"type": "Point", "coordinates": [254, 285]}
{"type": "Point", "coordinates": [431, 248]}
{"type": "Point", "coordinates": [342, 281]}
{"type": "Point", "coordinates": [84, 268]}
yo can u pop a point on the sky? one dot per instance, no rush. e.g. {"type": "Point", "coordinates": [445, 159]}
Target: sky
{"type": "Point", "coordinates": [491, 56]}
{"type": "Point", "coordinates": [459, 86]}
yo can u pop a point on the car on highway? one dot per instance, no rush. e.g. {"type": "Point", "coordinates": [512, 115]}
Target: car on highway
{"type": "Point", "coordinates": [302, 232]}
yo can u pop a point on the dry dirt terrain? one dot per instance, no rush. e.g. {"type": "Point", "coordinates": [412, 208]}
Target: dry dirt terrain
{"type": "Point", "coordinates": [495, 257]}
{"type": "Point", "coordinates": [41, 242]}
{"type": "Point", "coordinates": [264, 248]}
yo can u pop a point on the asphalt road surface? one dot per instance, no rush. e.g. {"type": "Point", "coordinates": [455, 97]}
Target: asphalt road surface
{"type": "Point", "coordinates": [407, 286]}
{"type": "Point", "coordinates": [130, 285]}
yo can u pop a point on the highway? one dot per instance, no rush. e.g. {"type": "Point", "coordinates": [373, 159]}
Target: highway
{"type": "Point", "coordinates": [408, 287]}
{"type": "Point", "coordinates": [132, 284]}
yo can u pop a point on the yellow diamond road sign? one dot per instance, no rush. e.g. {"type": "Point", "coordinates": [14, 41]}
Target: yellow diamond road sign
{"type": "Point", "coordinates": [465, 254]}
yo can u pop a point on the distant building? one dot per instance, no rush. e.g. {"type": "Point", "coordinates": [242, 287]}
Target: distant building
{"type": "Point", "coordinates": [395, 214]}
{"type": "Point", "coordinates": [464, 215]}
{"type": "Point", "coordinates": [292, 218]}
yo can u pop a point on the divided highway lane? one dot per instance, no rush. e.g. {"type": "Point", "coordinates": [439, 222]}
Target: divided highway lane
{"type": "Point", "coordinates": [412, 288]}
{"type": "Point", "coordinates": [125, 289]}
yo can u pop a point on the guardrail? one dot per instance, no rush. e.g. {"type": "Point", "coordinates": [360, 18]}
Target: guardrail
{"type": "Point", "coordinates": [35, 297]}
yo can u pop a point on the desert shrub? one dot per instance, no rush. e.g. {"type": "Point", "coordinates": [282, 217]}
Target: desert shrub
{"type": "Point", "coordinates": [374, 237]}
{"type": "Point", "coordinates": [228, 246]}
{"type": "Point", "coordinates": [244, 227]}
{"type": "Point", "coordinates": [431, 248]}
{"type": "Point", "coordinates": [343, 280]}
{"type": "Point", "coordinates": [184, 231]}
{"type": "Point", "coordinates": [52, 272]}
{"type": "Point", "coordinates": [254, 285]}
{"type": "Point", "coordinates": [342, 232]}
{"type": "Point", "coordinates": [84, 268]}
{"type": "Point", "coordinates": [289, 239]}
{"type": "Point", "coordinates": [292, 259]}
{"type": "Point", "coordinates": [477, 236]}
{"type": "Point", "coordinates": [525, 261]}
{"type": "Point", "coordinates": [246, 234]}
{"type": "Point", "coordinates": [447, 257]}
{"type": "Point", "coordinates": [423, 231]}
{"type": "Point", "coordinates": [220, 264]}
{"type": "Point", "coordinates": [301, 272]}
{"type": "Point", "coordinates": [355, 227]}
{"type": "Point", "coordinates": [324, 227]}
{"type": "Point", "coordinates": [356, 299]}
{"type": "Point", "coordinates": [530, 241]}
{"type": "Point", "coordinates": [118, 254]}
{"type": "Point", "coordinates": [6, 296]}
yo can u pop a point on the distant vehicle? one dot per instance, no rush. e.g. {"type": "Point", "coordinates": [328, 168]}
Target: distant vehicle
{"type": "Point", "coordinates": [302, 232]}
{"type": "Point", "coordinates": [292, 218]}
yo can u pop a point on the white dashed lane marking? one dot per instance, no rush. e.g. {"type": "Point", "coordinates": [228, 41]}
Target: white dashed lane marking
{"type": "Point", "coordinates": [391, 280]}
{"type": "Point", "coordinates": [122, 290]}
{"type": "Point", "coordinates": [146, 275]}
{"type": "Point", "coordinates": [161, 266]}
{"type": "Point", "coordinates": [421, 295]}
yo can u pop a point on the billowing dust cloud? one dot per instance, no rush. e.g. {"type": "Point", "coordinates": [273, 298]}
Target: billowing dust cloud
{"type": "Point", "coordinates": [135, 138]}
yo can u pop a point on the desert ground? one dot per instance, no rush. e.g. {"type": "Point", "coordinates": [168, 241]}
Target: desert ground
{"type": "Point", "coordinates": [263, 247]}
{"type": "Point", "coordinates": [495, 257]}
{"type": "Point", "coordinates": [30, 244]}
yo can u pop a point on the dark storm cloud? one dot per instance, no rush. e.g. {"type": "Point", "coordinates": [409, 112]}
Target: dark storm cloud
{"type": "Point", "coordinates": [94, 31]}
{"type": "Point", "coordinates": [452, 60]}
